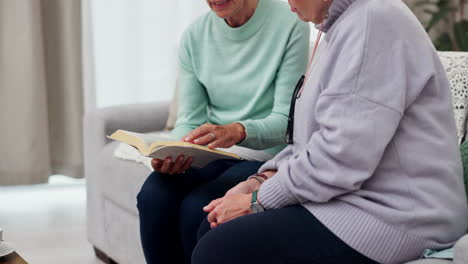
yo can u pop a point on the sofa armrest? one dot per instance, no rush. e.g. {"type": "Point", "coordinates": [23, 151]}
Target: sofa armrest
{"type": "Point", "coordinates": [136, 117]}
{"type": "Point", "coordinates": [104, 121]}
{"type": "Point", "coordinates": [461, 251]}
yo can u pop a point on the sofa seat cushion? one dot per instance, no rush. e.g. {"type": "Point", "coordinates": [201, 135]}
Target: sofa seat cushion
{"type": "Point", "coordinates": [120, 180]}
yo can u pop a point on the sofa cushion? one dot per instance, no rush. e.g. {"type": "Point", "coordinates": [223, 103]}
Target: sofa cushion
{"type": "Point", "coordinates": [122, 231]}
{"type": "Point", "coordinates": [120, 180]}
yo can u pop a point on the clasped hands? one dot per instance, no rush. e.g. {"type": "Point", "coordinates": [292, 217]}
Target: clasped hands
{"type": "Point", "coordinates": [236, 202]}
{"type": "Point", "coordinates": [214, 136]}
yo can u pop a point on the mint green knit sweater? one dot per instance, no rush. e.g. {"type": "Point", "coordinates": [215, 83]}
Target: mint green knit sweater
{"type": "Point", "coordinates": [245, 74]}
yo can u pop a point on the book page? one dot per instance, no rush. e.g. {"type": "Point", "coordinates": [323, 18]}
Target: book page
{"type": "Point", "coordinates": [248, 154]}
{"type": "Point", "coordinates": [150, 138]}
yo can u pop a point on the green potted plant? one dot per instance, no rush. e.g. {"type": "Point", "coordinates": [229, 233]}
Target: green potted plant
{"type": "Point", "coordinates": [451, 15]}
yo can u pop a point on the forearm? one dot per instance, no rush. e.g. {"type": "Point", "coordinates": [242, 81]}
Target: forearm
{"type": "Point", "coordinates": [264, 133]}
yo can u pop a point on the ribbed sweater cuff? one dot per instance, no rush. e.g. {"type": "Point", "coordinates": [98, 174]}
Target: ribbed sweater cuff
{"type": "Point", "coordinates": [368, 235]}
{"type": "Point", "coordinates": [272, 196]}
{"type": "Point", "coordinates": [251, 132]}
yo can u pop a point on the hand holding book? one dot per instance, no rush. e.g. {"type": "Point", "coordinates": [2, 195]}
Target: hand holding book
{"type": "Point", "coordinates": [180, 165]}
{"type": "Point", "coordinates": [213, 135]}
{"type": "Point", "coordinates": [155, 148]}
{"type": "Point", "coordinates": [161, 148]}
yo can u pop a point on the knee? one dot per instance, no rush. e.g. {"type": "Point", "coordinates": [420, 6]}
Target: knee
{"type": "Point", "coordinates": [193, 204]}
{"type": "Point", "coordinates": [223, 244]}
{"type": "Point", "coordinates": [229, 243]}
{"type": "Point", "coordinates": [153, 193]}
{"type": "Point", "coordinates": [203, 229]}
{"type": "Point", "coordinates": [208, 250]}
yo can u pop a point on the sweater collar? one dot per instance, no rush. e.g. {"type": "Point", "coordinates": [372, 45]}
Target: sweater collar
{"type": "Point", "coordinates": [337, 8]}
{"type": "Point", "coordinates": [249, 28]}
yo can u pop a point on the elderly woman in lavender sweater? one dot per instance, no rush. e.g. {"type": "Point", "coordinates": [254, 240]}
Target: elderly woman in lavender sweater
{"type": "Point", "coordinates": [372, 173]}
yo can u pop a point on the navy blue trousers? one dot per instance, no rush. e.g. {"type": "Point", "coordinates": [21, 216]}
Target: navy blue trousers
{"type": "Point", "coordinates": [170, 207]}
{"type": "Point", "coordinates": [287, 235]}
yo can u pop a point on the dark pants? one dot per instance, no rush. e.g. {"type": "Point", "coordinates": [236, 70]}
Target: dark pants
{"type": "Point", "coordinates": [170, 207]}
{"type": "Point", "coordinates": [286, 235]}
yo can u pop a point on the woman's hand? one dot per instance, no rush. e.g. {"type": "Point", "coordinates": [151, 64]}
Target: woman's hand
{"type": "Point", "coordinates": [245, 187]}
{"type": "Point", "coordinates": [180, 165]}
{"type": "Point", "coordinates": [227, 208]}
{"type": "Point", "coordinates": [216, 136]}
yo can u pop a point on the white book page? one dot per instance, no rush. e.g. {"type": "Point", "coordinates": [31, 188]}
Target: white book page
{"type": "Point", "coordinates": [248, 154]}
{"type": "Point", "coordinates": [149, 138]}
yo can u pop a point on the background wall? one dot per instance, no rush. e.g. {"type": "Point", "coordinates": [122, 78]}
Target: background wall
{"type": "Point", "coordinates": [130, 48]}
{"type": "Point", "coordinates": [133, 47]}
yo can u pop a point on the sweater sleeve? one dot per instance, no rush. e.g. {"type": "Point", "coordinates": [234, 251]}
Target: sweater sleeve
{"type": "Point", "coordinates": [193, 98]}
{"type": "Point", "coordinates": [357, 118]}
{"type": "Point", "coordinates": [273, 164]}
{"type": "Point", "coordinates": [270, 131]}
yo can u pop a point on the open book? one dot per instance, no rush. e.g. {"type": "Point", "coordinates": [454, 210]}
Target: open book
{"type": "Point", "coordinates": [150, 146]}
{"type": "Point", "coordinates": [160, 146]}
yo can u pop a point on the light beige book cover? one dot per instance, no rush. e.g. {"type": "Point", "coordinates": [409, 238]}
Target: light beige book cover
{"type": "Point", "coordinates": [152, 147]}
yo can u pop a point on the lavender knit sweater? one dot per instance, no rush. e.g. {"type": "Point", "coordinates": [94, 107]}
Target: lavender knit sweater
{"type": "Point", "coordinates": [375, 156]}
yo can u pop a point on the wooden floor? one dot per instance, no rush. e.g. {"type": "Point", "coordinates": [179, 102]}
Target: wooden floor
{"type": "Point", "coordinates": [46, 223]}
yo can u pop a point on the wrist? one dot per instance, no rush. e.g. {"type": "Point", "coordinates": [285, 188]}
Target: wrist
{"type": "Point", "coordinates": [262, 175]}
{"type": "Point", "coordinates": [240, 131]}
{"type": "Point", "coordinates": [254, 183]}
{"type": "Point", "coordinates": [255, 205]}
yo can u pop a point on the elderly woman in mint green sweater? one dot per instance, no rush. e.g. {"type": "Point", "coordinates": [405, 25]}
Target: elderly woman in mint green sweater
{"type": "Point", "coordinates": [238, 67]}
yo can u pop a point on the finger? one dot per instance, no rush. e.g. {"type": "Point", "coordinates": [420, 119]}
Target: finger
{"type": "Point", "coordinates": [221, 143]}
{"type": "Point", "coordinates": [156, 164]}
{"type": "Point", "coordinates": [179, 162]}
{"type": "Point", "coordinates": [207, 138]}
{"type": "Point", "coordinates": [213, 225]}
{"type": "Point", "coordinates": [212, 217]}
{"type": "Point", "coordinates": [220, 220]}
{"type": "Point", "coordinates": [198, 132]}
{"type": "Point", "coordinates": [187, 164]}
{"type": "Point", "coordinates": [166, 166]}
{"type": "Point", "coordinates": [212, 205]}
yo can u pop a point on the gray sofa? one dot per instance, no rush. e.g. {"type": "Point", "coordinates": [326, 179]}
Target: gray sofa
{"type": "Point", "coordinates": [113, 184]}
